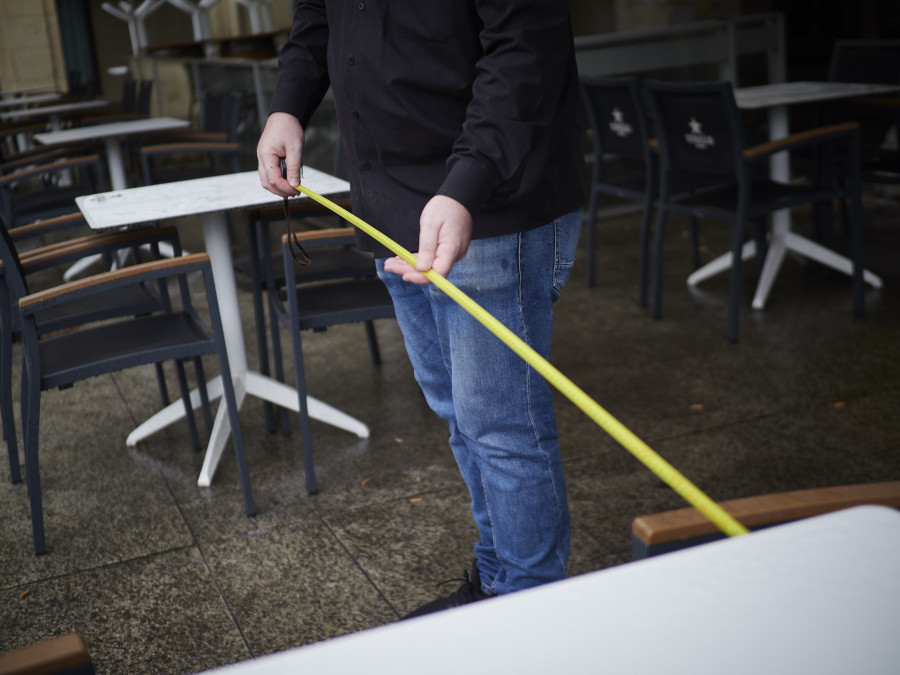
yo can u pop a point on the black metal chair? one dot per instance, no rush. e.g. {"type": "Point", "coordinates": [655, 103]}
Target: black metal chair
{"type": "Point", "coordinates": [873, 62]}
{"type": "Point", "coordinates": [63, 359]}
{"type": "Point", "coordinates": [699, 129]}
{"type": "Point", "coordinates": [626, 165]}
{"type": "Point", "coordinates": [338, 299]}
{"type": "Point", "coordinates": [129, 301]}
{"type": "Point", "coordinates": [39, 191]}
{"type": "Point", "coordinates": [623, 163]}
{"type": "Point", "coordinates": [264, 269]}
{"type": "Point", "coordinates": [210, 150]}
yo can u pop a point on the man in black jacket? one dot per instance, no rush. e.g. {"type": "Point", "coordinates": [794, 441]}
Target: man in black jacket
{"type": "Point", "coordinates": [458, 120]}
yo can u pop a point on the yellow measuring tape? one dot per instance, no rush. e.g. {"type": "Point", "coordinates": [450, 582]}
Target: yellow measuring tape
{"type": "Point", "coordinates": [665, 471]}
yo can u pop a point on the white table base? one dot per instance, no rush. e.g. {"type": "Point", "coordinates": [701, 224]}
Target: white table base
{"type": "Point", "coordinates": [246, 381]}
{"type": "Point", "coordinates": [782, 239]}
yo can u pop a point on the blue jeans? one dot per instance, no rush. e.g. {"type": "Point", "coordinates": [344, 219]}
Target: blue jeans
{"type": "Point", "coordinates": [500, 411]}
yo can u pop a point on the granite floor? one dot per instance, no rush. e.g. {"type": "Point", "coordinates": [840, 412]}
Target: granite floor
{"type": "Point", "coordinates": [161, 576]}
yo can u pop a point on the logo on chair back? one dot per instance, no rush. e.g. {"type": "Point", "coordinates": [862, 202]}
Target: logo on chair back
{"type": "Point", "coordinates": [618, 125]}
{"type": "Point", "coordinates": [697, 138]}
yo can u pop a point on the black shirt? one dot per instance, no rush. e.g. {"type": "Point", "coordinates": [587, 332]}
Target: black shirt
{"type": "Point", "coordinates": [473, 99]}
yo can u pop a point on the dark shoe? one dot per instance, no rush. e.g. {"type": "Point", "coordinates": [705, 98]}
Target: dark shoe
{"type": "Point", "coordinates": [469, 592]}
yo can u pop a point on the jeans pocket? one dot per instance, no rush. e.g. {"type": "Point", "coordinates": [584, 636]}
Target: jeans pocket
{"type": "Point", "coordinates": [566, 229]}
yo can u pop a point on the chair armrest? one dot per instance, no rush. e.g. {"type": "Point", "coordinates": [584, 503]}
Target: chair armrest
{"type": "Point", "coordinates": [668, 526]}
{"type": "Point", "coordinates": [209, 146]}
{"type": "Point", "coordinates": [319, 235]}
{"type": "Point", "coordinates": [48, 154]}
{"type": "Point", "coordinates": [801, 138]}
{"type": "Point", "coordinates": [40, 227]}
{"type": "Point", "coordinates": [155, 269]}
{"type": "Point", "coordinates": [58, 165]}
{"type": "Point", "coordinates": [195, 135]}
{"type": "Point", "coordinates": [80, 247]}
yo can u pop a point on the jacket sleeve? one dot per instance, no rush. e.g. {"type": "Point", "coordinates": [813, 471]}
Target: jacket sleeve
{"type": "Point", "coordinates": [302, 63]}
{"type": "Point", "coordinates": [526, 66]}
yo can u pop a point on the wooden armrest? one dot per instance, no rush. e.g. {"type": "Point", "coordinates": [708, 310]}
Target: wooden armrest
{"type": "Point", "coordinates": [112, 116]}
{"type": "Point", "coordinates": [41, 157]}
{"type": "Point", "coordinates": [188, 147]}
{"type": "Point", "coordinates": [46, 255]}
{"type": "Point", "coordinates": [49, 225]}
{"type": "Point", "coordinates": [57, 655]}
{"type": "Point", "coordinates": [810, 135]}
{"type": "Point", "coordinates": [13, 128]}
{"type": "Point", "coordinates": [190, 135]}
{"type": "Point", "coordinates": [52, 166]}
{"type": "Point", "coordinates": [299, 208]}
{"type": "Point", "coordinates": [30, 303]}
{"type": "Point", "coordinates": [318, 235]}
{"type": "Point", "coordinates": [687, 523]}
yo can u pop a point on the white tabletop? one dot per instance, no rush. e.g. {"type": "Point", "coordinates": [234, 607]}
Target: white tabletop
{"type": "Point", "coordinates": [111, 129]}
{"type": "Point", "coordinates": [56, 109]}
{"type": "Point", "coordinates": [790, 93]}
{"type": "Point", "coordinates": [816, 596]}
{"type": "Point", "coordinates": [196, 197]}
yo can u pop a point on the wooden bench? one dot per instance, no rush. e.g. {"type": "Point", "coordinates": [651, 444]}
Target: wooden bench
{"type": "Point", "coordinates": [671, 530]}
{"type": "Point", "coordinates": [62, 655]}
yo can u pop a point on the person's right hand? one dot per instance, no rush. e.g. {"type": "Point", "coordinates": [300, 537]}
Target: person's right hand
{"type": "Point", "coordinates": [282, 137]}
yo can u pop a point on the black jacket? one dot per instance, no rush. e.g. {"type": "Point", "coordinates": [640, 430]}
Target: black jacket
{"type": "Point", "coordinates": [474, 99]}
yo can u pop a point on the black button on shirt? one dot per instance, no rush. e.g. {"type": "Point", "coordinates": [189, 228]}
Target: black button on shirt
{"type": "Point", "coordinates": [474, 99]}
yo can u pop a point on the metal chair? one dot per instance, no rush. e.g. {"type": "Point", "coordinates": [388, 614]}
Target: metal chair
{"type": "Point", "coordinates": [873, 62]}
{"type": "Point", "coordinates": [623, 164]}
{"type": "Point", "coordinates": [699, 129]}
{"type": "Point", "coordinates": [210, 150]}
{"type": "Point", "coordinates": [63, 359]}
{"type": "Point", "coordinates": [339, 299]}
{"type": "Point", "coordinates": [626, 165]}
{"type": "Point", "coordinates": [130, 301]}
{"type": "Point", "coordinates": [49, 189]}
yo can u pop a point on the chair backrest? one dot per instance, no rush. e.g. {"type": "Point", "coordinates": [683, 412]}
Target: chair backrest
{"type": "Point", "coordinates": [144, 92]}
{"type": "Point", "coordinates": [48, 189]}
{"type": "Point", "coordinates": [698, 127]}
{"type": "Point", "coordinates": [871, 61]}
{"type": "Point", "coordinates": [129, 95]}
{"type": "Point", "coordinates": [617, 116]}
{"type": "Point", "coordinates": [221, 111]}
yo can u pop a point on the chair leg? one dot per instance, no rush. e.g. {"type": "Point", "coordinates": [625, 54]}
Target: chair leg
{"type": "Point", "coordinates": [204, 396]}
{"type": "Point", "coordinates": [734, 287]}
{"type": "Point", "coordinates": [277, 356]}
{"type": "Point", "coordinates": [6, 403]}
{"type": "Point", "coordinates": [760, 233]}
{"type": "Point", "coordinates": [31, 402]}
{"type": "Point", "coordinates": [188, 407]}
{"type": "Point", "coordinates": [228, 396]}
{"type": "Point", "coordinates": [300, 374]}
{"type": "Point", "coordinates": [258, 248]}
{"type": "Point", "coordinates": [373, 343]}
{"type": "Point", "coordinates": [305, 431]}
{"type": "Point", "coordinates": [644, 256]}
{"type": "Point", "coordinates": [161, 381]}
{"type": "Point", "coordinates": [659, 239]}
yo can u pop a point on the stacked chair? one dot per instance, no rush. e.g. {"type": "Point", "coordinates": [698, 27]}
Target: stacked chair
{"type": "Point", "coordinates": [101, 324]}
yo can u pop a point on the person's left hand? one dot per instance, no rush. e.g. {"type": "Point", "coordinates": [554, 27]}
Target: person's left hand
{"type": "Point", "coordinates": [445, 229]}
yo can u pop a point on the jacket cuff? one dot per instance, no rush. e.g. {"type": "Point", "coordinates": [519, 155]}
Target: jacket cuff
{"type": "Point", "coordinates": [470, 183]}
